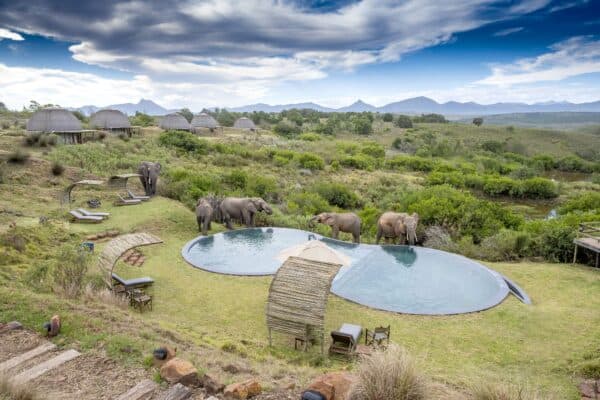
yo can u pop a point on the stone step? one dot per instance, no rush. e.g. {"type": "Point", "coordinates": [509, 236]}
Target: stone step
{"type": "Point", "coordinates": [7, 365]}
{"type": "Point", "coordinates": [176, 392]}
{"type": "Point", "coordinates": [142, 391]}
{"type": "Point", "coordinates": [44, 367]}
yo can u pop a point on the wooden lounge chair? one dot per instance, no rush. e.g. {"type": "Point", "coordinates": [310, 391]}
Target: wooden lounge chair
{"type": "Point", "coordinates": [92, 213]}
{"type": "Point", "coordinates": [126, 202]}
{"type": "Point", "coordinates": [136, 197]}
{"type": "Point", "coordinates": [77, 216]}
{"type": "Point", "coordinates": [380, 336]}
{"type": "Point", "coordinates": [135, 283]}
{"type": "Point", "coordinates": [345, 340]}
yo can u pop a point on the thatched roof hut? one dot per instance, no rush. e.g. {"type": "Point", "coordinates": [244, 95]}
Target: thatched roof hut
{"type": "Point", "coordinates": [174, 121]}
{"type": "Point", "coordinates": [203, 120]}
{"type": "Point", "coordinates": [244, 123]}
{"type": "Point", "coordinates": [109, 119]}
{"type": "Point", "coordinates": [53, 119]}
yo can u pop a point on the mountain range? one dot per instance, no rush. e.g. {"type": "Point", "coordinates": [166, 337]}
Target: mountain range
{"type": "Point", "coordinates": [415, 105]}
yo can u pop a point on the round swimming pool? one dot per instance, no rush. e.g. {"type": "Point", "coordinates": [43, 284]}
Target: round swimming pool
{"type": "Point", "coordinates": [405, 279]}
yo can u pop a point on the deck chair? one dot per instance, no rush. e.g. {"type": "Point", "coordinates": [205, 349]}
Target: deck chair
{"type": "Point", "coordinates": [136, 197]}
{"type": "Point", "coordinates": [126, 202]}
{"type": "Point", "coordinates": [345, 339]}
{"type": "Point", "coordinates": [135, 283]}
{"type": "Point", "coordinates": [78, 217]}
{"type": "Point", "coordinates": [93, 214]}
{"type": "Point", "coordinates": [380, 336]}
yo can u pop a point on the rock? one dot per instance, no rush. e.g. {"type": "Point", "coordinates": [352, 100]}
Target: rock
{"type": "Point", "coordinates": [333, 385]}
{"type": "Point", "coordinates": [211, 384]}
{"type": "Point", "coordinates": [181, 371]}
{"type": "Point", "coordinates": [305, 172]}
{"type": "Point", "coordinates": [10, 326]}
{"type": "Point", "coordinates": [177, 392]}
{"type": "Point", "coordinates": [587, 388]}
{"type": "Point", "coordinates": [243, 390]}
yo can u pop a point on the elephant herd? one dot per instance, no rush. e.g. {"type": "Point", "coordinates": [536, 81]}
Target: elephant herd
{"type": "Point", "coordinates": [390, 226]}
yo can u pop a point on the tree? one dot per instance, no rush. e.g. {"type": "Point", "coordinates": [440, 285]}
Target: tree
{"type": "Point", "coordinates": [362, 125]}
{"type": "Point", "coordinates": [388, 117]}
{"type": "Point", "coordinates": [477, 121]}
{"type": "Point", "coordinates": [141, 119]}
{"type": "Point", "coordinates": [3, 107]}
{"type": "Point", "coordinates": [225, 118]}
{"type": "Point", "coordinates": [187, 114]}
{"type": "Point", "coordinates": [80, 116]}
{"type": "Point", "coordinates": [431, 118]}
{"type": "Point", "coordinates": [403, 121]}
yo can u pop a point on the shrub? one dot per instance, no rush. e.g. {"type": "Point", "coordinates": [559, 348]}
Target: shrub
{"type": "Point", "coordinates": [141, 119]}
{"type": "Point", "coordinates": [32, 139]}
{"type": "Point", "coordinates": [539, 188]}
{"type": "Point", "coordinates": [553, 239]}
{"type": "Point", "coordinates": [69, 270]}
{"type": "Point", "coordinates": [388, 374]}
{"type": "Point", "coordinates": [280, 161]}
{"type": "Point", "coordinates": [5, 125]}
{"type": "Point", "coordinates": [431, 118]}
{"type": "Point", "coordinates": [506, 245]}
{"type": "Point", "coordinates": [573, 164]}
{"type": "Point", "coordinates": [185, 141]}
{"type": "Point", "coordinates": [588, 201]}
{"type": "Point", "coordinates": [307, 203]}
{"type": "Point", "coordinates": [236, 179]}
{"type": "Point", "coordinates": [543, 162]}
{"type": "Point", "coordinates": [310, 161]}
{"type": "Point", "coordinates": [403, 121]}
{"type": "Point", "coordinates": [262, 186]}
{"type": "Point", "coordinates": [388, 117]}
{"type": "Point", "coordinates": [52, 139]}
{"type": "Point", "coordinates": [57, 168]}
{"type": "Point", "coordinates": [405, 144]}
{"type": "Point", "coordinates": [373, 149]}
{"type": "Point", "coordinates": [10, 390]}
{"type": "Point", "coordinates": [309, 137]}
{"type": "Point", "coordinates": [361, 125]}
{"type": "Point", "coordinates": [498, 391]}
{"type": "Point", "coordinates": [18, 157]}
{"type": "Point", "coordinates": [286, 129]}
{"type": "Point", "coordinates": [358, 161]}
{"type": "Point", "coordinates": [414, 163]}
{"type": "Point", "coordinates": [498, 186]}
{"type": "Point", "coordinates": [338, 194]}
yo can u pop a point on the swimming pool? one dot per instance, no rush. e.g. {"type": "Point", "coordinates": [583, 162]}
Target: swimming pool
{"type": "Point", "coordinates": [405, 279]}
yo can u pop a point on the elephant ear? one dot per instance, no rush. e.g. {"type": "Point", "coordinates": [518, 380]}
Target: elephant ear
{"type": "Point", "coordinates": [251, 207]}
{"type": "Point", "coordinates": [158, 166]}
{"type": "Point", "coordinates": [329, 220]}
{"type": "Point", "coordinates": [415, 216]}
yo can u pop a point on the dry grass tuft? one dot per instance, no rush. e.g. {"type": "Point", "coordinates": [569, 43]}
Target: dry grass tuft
{"type": "Point", "coordinates": [104, 296]}
{"type": "Point", "coordinates": [391, 375]}
{"type": "Point", "coordinates": [11, 391]}
{"type": "Point", "coordinates": [505, 391]}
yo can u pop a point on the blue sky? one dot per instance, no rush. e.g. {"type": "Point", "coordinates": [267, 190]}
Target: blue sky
{"type": "Point", "coordinates": [204, 53]}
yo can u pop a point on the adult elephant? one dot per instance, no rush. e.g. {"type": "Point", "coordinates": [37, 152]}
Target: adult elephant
{"type": "Point", "coordinates": [340, 222]}
{"type": "Point", "coordinates": [204, 215]}
{"type": "Point", "coordinates": [149, 172]}
{"type": "Point", "coordinates": [242, 209]}
{"type": "Point", "coordinates": [392, 225]}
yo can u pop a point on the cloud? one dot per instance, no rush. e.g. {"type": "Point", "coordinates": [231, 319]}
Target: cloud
{"type": "Point", "coordinates": [6, 34]}
{"type": "Point", "coordinates": [568, 5]}
{"type": "Point", "coordinates": [509, 31]}
{"type": "Point", "coordinates": [575, 56]}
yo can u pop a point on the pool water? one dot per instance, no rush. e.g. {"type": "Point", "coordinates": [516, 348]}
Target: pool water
{"type": "Point", "coordinates": [405, 279]}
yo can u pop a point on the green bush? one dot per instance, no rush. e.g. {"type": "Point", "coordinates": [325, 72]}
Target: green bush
{"type": "Point", "coordinates": [309, 137]}
{"type": "Point", "coordinates": [307, 203]}
{"type": "Point", "coordinates": [286, 129]}
{"type": "Point", "coordinates": [310, 161]}
{"type": "Point", "coordinates": [141, 119]}
{"type": "Point", "coordinates": [18, 157]}
{"type": "Point", "coordinates": [281, 161]}
{"type": "Point", "coordinates": [499, 186]}
{"type": "Point", "coordinates": [505, 245]}
{"type": "Point", "coordinates": [387, 117]}
{"type": "Point", "coordinates": [262, 186]}
{"type": "Point", "coordinates": [373, 149]}
{"type": "Point", "coordinates": [403, 121]}
{"type": "Point", "coordinates": [588, 201]}
{"type": "Point", "coordinates": [539, 188]}
{"type": "Point", "coordinates": [413, 163]}
{"type": "Point", "coordinates": [543, 162]}
{"type": "Point", "coordinates": [236, 179]}
{"type": "Point", "coordinates": [69, 270]}
{"type": "Point", "coordinates": [573, 164]}
{"type": "Point", "coordinates": [358, 162]}
{"type": "Point", "coordinates": [57, 169]}
{"type": "Point", "coordinates": [338, 194]}
{"type": "Point", "coordinates": [361, 125]}
{"type": "Point", "coordinates": [553, 239]}
{"type": "Point", "coordinates": [431, 118]}
{"type": "Point", "coordinates": [185, 141]}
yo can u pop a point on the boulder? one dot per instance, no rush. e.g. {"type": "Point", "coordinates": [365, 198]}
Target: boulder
{"type": "Point", "coordinates": [181, 371]}
{"type": "Point", "coordinates": [588, 389]}
{"type": "Point", "coordinates": [243, 390]}
{"type": "Point", "coordinates": [333, 385]}
{"type": "Point", "coordinates": [211, 384]}
{"type": "Point", "coordinates": [10, 326]}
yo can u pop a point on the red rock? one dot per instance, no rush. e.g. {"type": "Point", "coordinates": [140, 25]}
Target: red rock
{"type": "Point", "coordinates": [243, 390]}
{"type": "Point", "coordinates": [181, 371]}
{"type": "Point", "coordinates": [587, 388]}
{"type": "Point", "coordinates": [333, 386]}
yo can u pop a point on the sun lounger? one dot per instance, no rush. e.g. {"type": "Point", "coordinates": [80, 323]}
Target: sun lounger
{"type": "Point", "coordinates": [133, 283]}
{"type": "Point", "coordinates": [126, 202]}
{"type": "Point", "coordinates": [77, 216]}
{"type": "Point", "coordinates": [136, 197]}
{"type": "Point", "coordinates": [92, 213]}
{"type": "Point", "coordinates": [345, 340]}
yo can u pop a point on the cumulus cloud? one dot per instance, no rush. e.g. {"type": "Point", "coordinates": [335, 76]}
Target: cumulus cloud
{"type": "Point", "coordinates": [6, 34]}
{"type": "Point", "coordinates": [572, 57]}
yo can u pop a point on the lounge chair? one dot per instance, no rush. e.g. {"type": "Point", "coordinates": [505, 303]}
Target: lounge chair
{"type": "Point", "coordinates": [136, 197]}
{"type": "Point", "coordinates": [126, 202]}
{"type": "Point", "coordinates": [135, 283]}
{"type": "Point", "coordinates": [345, 340]}
{"type": "Point", "coordinates": [93, 214]}
{"type": "Point", "coordinates": [380, 336]}
{"type": "Point", "coordinates": [79, 217]}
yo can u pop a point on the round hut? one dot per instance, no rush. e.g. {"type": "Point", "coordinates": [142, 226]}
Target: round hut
{"type": "Point", "coordinates": [244, 123]}
{"type": "Point", "coordinates": [204, 121]}
{"type": "Point", "coordinates": [174, 121]}
{"type": "Point", "coordinates": [112, 120]}
{"type": "Point", "coordinates": [58, 121]}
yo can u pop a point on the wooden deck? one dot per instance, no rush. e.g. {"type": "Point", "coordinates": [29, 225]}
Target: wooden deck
{"type": "Point", "coordinates": [588, 237]}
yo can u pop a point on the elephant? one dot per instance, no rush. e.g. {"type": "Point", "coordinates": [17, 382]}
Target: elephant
{"type": "Point", "coordinates": [243, 209]}
{"type": "Point", "coordinates": [204, 215]}
{"type": "Point", "coordinates": [149, 172]}
{"type": "Point", "coordinates": [344, 222]}
{"type": "Point", "coordinates": [392, 225]}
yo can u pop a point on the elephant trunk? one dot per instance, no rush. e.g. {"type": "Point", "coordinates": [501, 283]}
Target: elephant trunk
{"type": "Point", "coordinates": [311, 222]}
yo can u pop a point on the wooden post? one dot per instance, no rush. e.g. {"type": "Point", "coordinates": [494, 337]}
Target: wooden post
{"type": "Point", "coordinates": [575, 254]}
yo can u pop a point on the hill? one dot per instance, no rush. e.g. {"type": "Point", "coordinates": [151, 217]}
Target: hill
{"type": "Point", "coordinates": [554, 120]}
{"type": "Point", "coordinates": [145, 106]}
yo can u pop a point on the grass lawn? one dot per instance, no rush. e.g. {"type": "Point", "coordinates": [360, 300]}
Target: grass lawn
{"type": "Point", "coordinates": [537, 344]}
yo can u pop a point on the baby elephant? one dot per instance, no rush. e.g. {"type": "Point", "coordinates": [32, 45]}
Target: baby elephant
{"type": "Point", "coordinates": [204, 213]}
{"type": "Point", "coordinates": [344, 222]}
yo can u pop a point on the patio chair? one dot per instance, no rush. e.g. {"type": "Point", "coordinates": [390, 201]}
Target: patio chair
{"type": "Point", "coordinates": [78, 217]}
{"type": "Point", "coordinates": [136, 197]}
{"type": "Point", "coordinates": [135, 283]}
{"type": "Point", "coordinates": [126, 202]}
{"type": "Point", "coordinates": [345, 340]}
{"type": "Point", "coordinates": [92, 213]}
{"type": "Point", "coordinates": [380, 336]}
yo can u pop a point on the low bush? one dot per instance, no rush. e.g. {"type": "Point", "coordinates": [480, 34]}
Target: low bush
{"type": "Point", "coordinates": [587, 201]}
{"type": "Point", "coordinates": [388, 374]}
{"type": "Point", "coordinates": [573, 164]}
{"type": "Point", "coordinates": [9, 390]}
{"type": "Point", "coordinates": [505, 245]}
{"type": "Point", "coordinates": [185, 141]}
{"type": "Point", "coordinates": [57, 168]}
{"type": "Point", "coordinates": [262, 186]}
{"type": "Point", "coordinates": [309, 137]}
{"type": "Point", "coordinates": [310, 161]}
{"type": "Point", "coordinates": [18, 157]}
{"type": "Point", "coordinates": [403, 121]}
{"type": "Point", "coordinates": [539, 188]}
{"type": "Point", "coordinates": [504, 391]}
{"type": "Point", "coordinates": [307, 203]}
{"type": "Point", "coordinates": [236, 179]}
{"type": "Point", "coordinates": [287, 129]}
{"type": "Point", "coordinates": [373, 149]}
{"type": "Point", "coordinates": [69, 270]}
{"type": "Point", "coordinates": [413, 163]}
{"type": "Point", "coordinates": [338, 194]}
{"type": "Point", "coordinates": [358, 161]}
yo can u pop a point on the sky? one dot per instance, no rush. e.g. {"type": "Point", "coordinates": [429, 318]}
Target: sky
{"type": "Point", "coordinates": [227, 53]}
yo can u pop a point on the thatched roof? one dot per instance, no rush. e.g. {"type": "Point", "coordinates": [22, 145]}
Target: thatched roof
{"type": "Point", "coordinates": [244, 123]}
{"type": "Point", "coordinates": [109, 119]}
{"type": "Point", "coordinates": [53, 119]}
{"type": "Point", "coordinates": [298, 296]}
{"type": "Point", "coordinates": [204, 120]}
{"type": "Point", "coordinates": [174, 121]}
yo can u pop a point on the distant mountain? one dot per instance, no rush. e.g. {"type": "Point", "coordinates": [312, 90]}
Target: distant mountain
{"type": "Point", "coordinates": [145, 106]}
{"type": "Point", "coordinates": [278, 108]}
{"type": "Point", "coordinates": [358, 106]}
{"type": "Point", "coordinates": [554, 120]}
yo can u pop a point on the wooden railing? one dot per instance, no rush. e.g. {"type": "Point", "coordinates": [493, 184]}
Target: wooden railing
{"type": "Point", "coordinates": [589, 230]}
